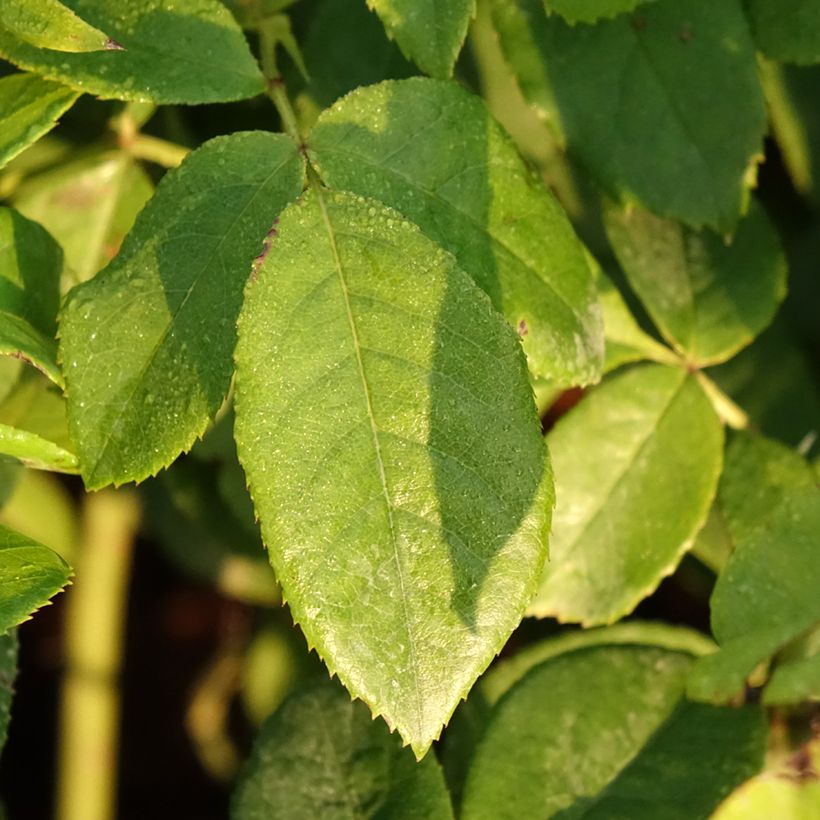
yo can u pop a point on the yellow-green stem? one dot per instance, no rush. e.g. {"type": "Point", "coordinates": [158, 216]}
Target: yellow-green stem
{"type": "Point", "coordinates": [89, 719]}
{"type": "Point", "coordinates": [275, 84]}
{"type": "Point", "coordinates": [730, 413]}
{"type": "Point", "coordinates": [152, 149]}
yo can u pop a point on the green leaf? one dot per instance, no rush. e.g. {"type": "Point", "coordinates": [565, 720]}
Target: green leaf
{"type": "Point", "coordinates": [794, 682]}
{"type": "Point", "coordinates": [8, 672]}
{"type": "Point", "coordinates": [29, 107]}
{"type": "Point", "coordinates": [588, 11]}
{"type": "Point", "coordinates": [175, 51]}
{"type": "Point", "coordinates": [663, 107]}
{"type": "Point", "coordinates": [33, 426]}
{"type": "Point", "coordinates": [394, 142]}
{"type": "Point", "coordinates": [49, 24]}
{"type": "Point", "coordinates": [321, 755]}
{"type": "Point", "coordinates": [387, 428]}
{"type": "Point", "coordinates": [708, 297]}
{"type": "Point", "coordinates": [654, 754]}
{"type": "Point", "coordinates": [787, 30]}
{"type": "Point", "coordinates": [88, 206]}
{"type": "Point", "coordinates": [636, 464]}
{"type": "Point", "coordinates": [767, 594]}
{"type": "Point", "coordinates": [769, 796]}
{"type": "Point", "coordinates": [625, 341]}
{"type": "Point", "coordinates": [30, 574]}
{"type": "Point", "coordinates": [429, 33]}
{"type": "Point", "coordinates": [142, 389]}
{"type": "Point", "coordinates": [30, 266]}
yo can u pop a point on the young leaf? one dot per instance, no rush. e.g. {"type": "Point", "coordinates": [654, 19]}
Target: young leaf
{"type": "Point", "coordinates": [321, 755]}
{"type": "Point", "coordinates": [394, 142]}
{"type": "Point", "coordinates": [29, 107]}
{"type": "Point", "coordinates": [771, 796]}
{"type": "Point", "coordinates": [429, 33]}
{"type": "Point", "coordinates": [387, 428]}
{"type": "Point", "coordinates": [8, 672]}
{"type": "Point", "coordinates": [663, 107]}
{"type": "Point", "coordinates": [637, 464]}
{"type": "Point", "coordinates": [708, 297]}
{"type": "Point", "coordinates": [588, 11]}
{"type": "Point", "coordinates": [767, 594]}
{"type": "Point", "coordinates": [50, 24]}
{"type": "Point", "coordinates": [88, 206]}
{"type": "Point", "coordinates": [146, 345]}
{"type": "Point", "coordinates": [650, 746]}
{"type": "Point", "coordinates": [175, 51]}
{"type": "Point", "coordinates": [30, 574]}
{"type": "Point", "coordinates": [787, 30]}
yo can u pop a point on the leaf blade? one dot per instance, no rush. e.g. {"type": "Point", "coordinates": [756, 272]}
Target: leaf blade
{"type": "Point", "coordinates": [50, 24]}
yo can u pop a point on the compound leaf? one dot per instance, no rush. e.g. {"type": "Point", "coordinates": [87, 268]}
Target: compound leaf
{"type": "Point", "coordinates": [321, 755]}
{"type": "Point", "coordinates": [175, 51]}
{"type": "Point", "coordinates": [394, 142]}
{"type": "Point", "coordinates": [708, 297]}
{"type": "Point", "coordinates": [767, 594]}
{"type": "Point", "coordinates": [30, 574]}
{"type": "Point", "coordinates": [637, 465]}
{"type": "Point", "coordinates": [29, 107]}
{"type": "Point", "coordinates": [147, 344]}
{"type": "Point", "coordinates": [50, 24]}
{"type": "Point", "coordinates": [663, 107]}
{"type": "Point", "coordinates": [787, 30]}
{"type": "Point", "coordinates": [429, 33]}
{"type": "Point", "coordinates": [387, 428]}
{"type": "Point", "coordinates": [534, 759]}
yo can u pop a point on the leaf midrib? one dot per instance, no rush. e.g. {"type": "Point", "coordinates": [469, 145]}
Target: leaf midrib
{"type": "Point", "coordinates": [376, 443]}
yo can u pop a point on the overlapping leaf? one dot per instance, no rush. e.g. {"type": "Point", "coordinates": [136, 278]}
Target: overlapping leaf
{"type": "Point", "coordinates": [681, 143]}
{"type": "Point", "coordinates": [394, 142]}
{"type": "Point", "coordinates": [29, 107]}
{"type": "Point", "coordinates": [771, 796]}
{"type": "Point", "coordinates": [767, 594]}
{"type": "Point", "coordinates": [30, 574]}
{"type": "Point", "coordinates": [787, 30]}
{"type": "Point", "coordinates": [709, 297]}
{"type": "Point", "coordinates": [175, 51]}
{"type": "Point", "coordinates": [387, 428]}
{"type": "Point", "coordinates": [88, 205]}
{"type": "Point", "coordinates": [430, 33]}
{"type": "Point", "coordinates": [588, 11]}
{"type": "Point", "coordinates": [622, 745]}
{"type": "Point", "coordinates": [50, 24]}
{"type": "Point", "coordinates": [636, 464]}
{"type": "Point", "coordinates": [146, 345]}
{"type": "Point", "coordinates": [321, 755]}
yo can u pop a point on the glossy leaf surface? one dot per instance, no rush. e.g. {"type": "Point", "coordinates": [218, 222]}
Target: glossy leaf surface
{"type": "Point", "coordinates": [394, 142]}
{"type": "Point", "coordinates": [321, 755]}
{"type": "Point", "coordinates": [88, 206]}
{"type": "Point", "coordinates": [709, 297]}
{"type": "Point", "coordinates": [618, 746]}
{"type": "Point", "coordinates": [787, 30]}
{"type": "Point", "coordinates": [679, 142]}
{"type": "Point", "coordinates": [29, 107]}
{"type": "Point", "coordinates": [30, 574]}
{"type": "Point", "coordinates": [175, 51]}
{"type": "Point", "coordinates": [636, 465]}
{"type": "Point", "coordinates": [142, 388]}
{"type": "Point", "coordinates": [429, 33]}
{"type": "Point", "coordinates": [50, 24]}
{"type": "Point", "coordinates": [387, 428]}
{"type": "Point", "coordinates": [767, 594]}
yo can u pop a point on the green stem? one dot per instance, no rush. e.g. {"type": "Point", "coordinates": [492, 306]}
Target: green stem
{"type": "Point", "coordinates": [89, 719]}
{"type": "Point", "coordinates": [276, 85]}
{"type": "Point", "coordinates": [730, 413]}
{"type": "Point", "coordinates": [164, 153]}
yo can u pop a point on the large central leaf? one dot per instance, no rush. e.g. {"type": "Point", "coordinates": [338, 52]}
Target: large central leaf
{"type": "Point", "coordinates": [389, 435]}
